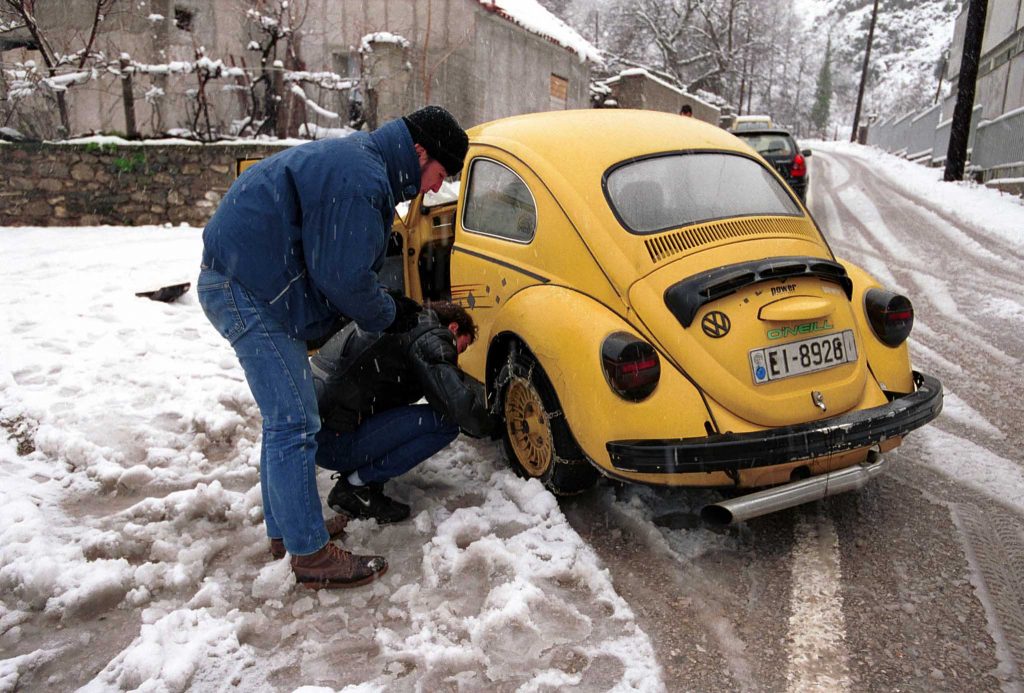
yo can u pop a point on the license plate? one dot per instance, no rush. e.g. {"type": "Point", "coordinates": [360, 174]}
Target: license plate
{"type": "Point", "coordinates": [806, 356]}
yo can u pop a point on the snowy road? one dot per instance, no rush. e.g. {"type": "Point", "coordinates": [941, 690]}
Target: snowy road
{"type": "Point", "coordinates": [961, 258]}
{"type": "Point", "coordinates": [132, 555]}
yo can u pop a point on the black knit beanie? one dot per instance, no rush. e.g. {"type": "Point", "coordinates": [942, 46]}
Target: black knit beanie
{"type": "Point", "coordinates": [437, 131]}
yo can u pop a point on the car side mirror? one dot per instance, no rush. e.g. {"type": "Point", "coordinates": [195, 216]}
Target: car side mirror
{"type": "Point", "coordinates": [806, 152]}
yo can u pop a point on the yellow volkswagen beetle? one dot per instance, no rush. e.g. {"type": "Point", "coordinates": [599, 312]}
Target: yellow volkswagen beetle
{"type": "Point", "coordinates": [656, 306]}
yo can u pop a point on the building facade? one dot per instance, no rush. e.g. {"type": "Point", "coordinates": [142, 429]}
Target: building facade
{"type": "Point", "coordinates": [186, 65]}
{"type": "Point", "coordinates": [1000, 87]}
{"type": "Point", "coordinates": [638, 88]}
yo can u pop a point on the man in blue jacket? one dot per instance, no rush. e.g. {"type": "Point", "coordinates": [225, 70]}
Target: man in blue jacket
{"type": "Point", "coordinates": [292, 251]}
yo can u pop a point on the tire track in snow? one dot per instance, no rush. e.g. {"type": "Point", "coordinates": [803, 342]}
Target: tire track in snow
{"type": "Point", "coordinates": [835, 226]}
{"type": "Point", "coordinates": [637, 555]}
{"type": "Point", "coordinates": [972, 231]}
{"type": "Point", "coordinates": [994, 545]}
{"type": "Point", "coordinates": [934, 234]}
{"type": "Point", "coordinates": [857, 240]}
{"type": "Point", "coordinates": [878, 234]}
{"type": "Point", "coordinates": [869, 216]}
{"type": "Point", "coordinates": [976, 234]}
{"type": "Point", "coordinates": [833, 174]}
{"type": "Point", "coordinates": [818, 659]}
{"type": "Point", "coordinates": [969, 463]}
{"type": "Point", "coordinates": [966, 302]}
{"type": "Point", "coordinates": [851, 238]}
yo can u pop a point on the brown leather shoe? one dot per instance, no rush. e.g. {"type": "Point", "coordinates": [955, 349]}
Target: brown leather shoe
{"type": "Point", "coordinates": [332, 567]}
{"type": "Point", "coordinates": [336, 525]}
{"type": "Point", "coordinates": [335, 528]}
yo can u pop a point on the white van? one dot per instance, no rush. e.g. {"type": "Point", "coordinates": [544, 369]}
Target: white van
{"type": "Point", "coordinates": [752, 122]}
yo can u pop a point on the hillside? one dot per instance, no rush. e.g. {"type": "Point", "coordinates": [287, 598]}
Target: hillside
{"type": "Point", "coordinates": [911, 38]}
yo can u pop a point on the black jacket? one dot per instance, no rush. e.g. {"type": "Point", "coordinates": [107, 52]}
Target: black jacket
{"type": "Point", "coordinates": [358, 374]}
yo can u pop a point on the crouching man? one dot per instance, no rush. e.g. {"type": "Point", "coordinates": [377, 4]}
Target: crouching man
{"type": "Point", "coordinates": [366, 385]}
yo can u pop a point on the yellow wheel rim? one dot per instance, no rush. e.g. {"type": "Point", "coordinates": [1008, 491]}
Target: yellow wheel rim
{"type": "Point", "coordinates": [528, 428]}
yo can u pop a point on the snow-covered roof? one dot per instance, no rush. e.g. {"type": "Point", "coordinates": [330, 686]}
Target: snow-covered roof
{"type": "Point", "coordinates": [641, 72]}
{"type": "Point", "coordinates": [533, 17]}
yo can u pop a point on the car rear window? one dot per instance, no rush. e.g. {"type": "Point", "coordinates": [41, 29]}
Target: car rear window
{"type": "Point", "coordinates": [675, 190]}
{"type": "Point", "coordinates": [770, 144]}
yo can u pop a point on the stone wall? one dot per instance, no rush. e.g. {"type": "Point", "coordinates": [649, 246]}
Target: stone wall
{"type": "Point", "coordinates": [117, 184]}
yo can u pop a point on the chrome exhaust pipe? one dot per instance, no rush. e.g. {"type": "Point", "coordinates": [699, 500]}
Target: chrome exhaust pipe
{"type": "Point", "coordinates": [794, 493]}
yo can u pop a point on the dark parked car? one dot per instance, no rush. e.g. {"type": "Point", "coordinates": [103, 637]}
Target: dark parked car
{"type": "Point", "coordinates": [781, 150]}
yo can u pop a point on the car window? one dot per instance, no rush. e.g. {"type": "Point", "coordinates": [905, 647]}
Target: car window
{"type": "Point", "coordinates": [498, 203]}
{"type": "Point", "coordinates": [675, 190]}
{"type": "Point", "coordinates": [770, 144]}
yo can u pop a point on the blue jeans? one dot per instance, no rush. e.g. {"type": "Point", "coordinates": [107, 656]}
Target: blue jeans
{"type": "Point", "coordinates": [386, 444]}
{"type": "Point", "coordinates": [277, 370]}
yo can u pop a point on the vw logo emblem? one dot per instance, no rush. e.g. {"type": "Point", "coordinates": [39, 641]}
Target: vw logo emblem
{"type": "Point", "coordinates": [716, 324]}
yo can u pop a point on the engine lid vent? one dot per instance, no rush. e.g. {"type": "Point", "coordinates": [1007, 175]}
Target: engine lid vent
{"type": "Point", "coordinates": [685, 240]}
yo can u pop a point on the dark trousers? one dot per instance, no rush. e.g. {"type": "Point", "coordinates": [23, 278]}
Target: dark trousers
{"type": "Point", "coordinates": [386, 445]}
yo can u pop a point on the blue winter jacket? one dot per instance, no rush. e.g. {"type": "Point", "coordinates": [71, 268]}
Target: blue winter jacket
{"type": "Point", "coordinates": [306, 229]}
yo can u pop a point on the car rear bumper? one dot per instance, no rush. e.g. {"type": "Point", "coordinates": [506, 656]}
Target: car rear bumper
{"type": "Point", "coordinates": [731, 452]}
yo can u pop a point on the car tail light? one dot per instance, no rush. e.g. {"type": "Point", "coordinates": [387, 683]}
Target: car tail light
{"type": "Point", "coordinates": [799, 169]}
{"type": "Point", "coordinates": [891, 315]}
{"type": "Point", "coordinates": [631, 366]}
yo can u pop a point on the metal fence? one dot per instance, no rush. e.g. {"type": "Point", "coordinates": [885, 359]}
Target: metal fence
{"type": "Point", "coordinates": [921, 133]}
{"type": "Point", "coordinates": [922, 137]}
{"type": "Point", "coordinates": [941, 142]}
{"type": "Point", "coordinates": [899, 135]}
{"type": "Point", "coordinates": [1000, 142]}
{"type": "Point", "coordinates": [879, 133]}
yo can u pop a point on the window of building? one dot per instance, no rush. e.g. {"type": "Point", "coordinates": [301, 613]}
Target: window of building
{"type": "Point", "coordinates": [183, 17]}
{"type": "Point", "coordinates": [499, 203]}
{"type": "Point", "coordinates": [340, 63]}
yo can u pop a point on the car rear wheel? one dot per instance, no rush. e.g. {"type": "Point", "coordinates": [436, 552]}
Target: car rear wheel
{"type": "Point", "coordinates": [536, 437]}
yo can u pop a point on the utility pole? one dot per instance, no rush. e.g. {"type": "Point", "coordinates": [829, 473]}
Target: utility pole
{"type": "Point", "coordinates": [942, 71]}
{"type": "Point", "coordinates": [960, 128]}
{"type": "Point", "coordinates": [864, 73]}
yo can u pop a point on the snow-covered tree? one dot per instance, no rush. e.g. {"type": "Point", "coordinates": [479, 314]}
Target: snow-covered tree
{"type": "Point", "coordinates": [68, 59]}
{"type": "Point", "coordinates": [821, 109]}
{"type": "Point", "coordinates": [727, 47]}
{"type": "Point", "coordinates": [275, 31]}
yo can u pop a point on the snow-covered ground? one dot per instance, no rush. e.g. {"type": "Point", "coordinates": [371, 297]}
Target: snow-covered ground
{"type": "Point", "coordinates": [999, 213]}
{"type": "Point", "coordinates": [131, 540]}
{"type": "Point", "coordinates": [132, 552]}
{"type": "Point", "coordinates": [997, 221]}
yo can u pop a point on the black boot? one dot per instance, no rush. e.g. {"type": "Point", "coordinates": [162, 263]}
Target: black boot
{"type": "Point", "coordinates": [366, 502]}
